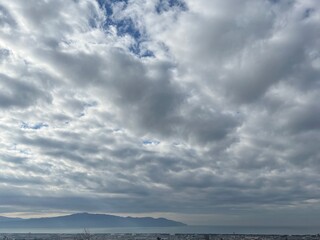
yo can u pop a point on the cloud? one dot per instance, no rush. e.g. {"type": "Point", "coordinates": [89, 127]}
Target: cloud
{"type": "Point", "coordinates": [193, 109]}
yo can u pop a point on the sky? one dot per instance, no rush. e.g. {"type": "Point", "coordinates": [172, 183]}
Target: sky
{"type": "Point", "coordinates": [201, 111]}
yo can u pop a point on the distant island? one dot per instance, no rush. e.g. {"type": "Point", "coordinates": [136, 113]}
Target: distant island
{"type": "Point", "coordinates": [87, 220]}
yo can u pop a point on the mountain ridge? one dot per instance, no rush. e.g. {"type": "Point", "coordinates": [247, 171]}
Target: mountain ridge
{"type": "Point", "coordinates": [6, 219]}
{"type": "Point", "coordinates": [86, 220]}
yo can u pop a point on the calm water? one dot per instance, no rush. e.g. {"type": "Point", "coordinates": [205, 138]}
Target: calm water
{"type": "Point", "coordinates": [172, 230]}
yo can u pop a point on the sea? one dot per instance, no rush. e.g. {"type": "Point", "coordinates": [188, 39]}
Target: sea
{"type": "Point", "coordinates": [176, 230]}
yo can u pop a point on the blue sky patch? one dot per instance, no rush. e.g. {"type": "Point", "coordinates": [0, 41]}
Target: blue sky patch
{"type": "Point", "coordinates": [166, 5]}
{"type": "Point", "coordinates": [136, 50]}
{"type": "Point", "coordinates": [107, 5]}
{"type": "Point", "coordinates": [150, 142]}
{"type": "Point", "coordinates": [34, 126]}
{"type": "Point", "coordinates": [126, 26]}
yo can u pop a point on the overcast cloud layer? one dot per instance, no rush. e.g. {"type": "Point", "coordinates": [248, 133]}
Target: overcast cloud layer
{"type": "Point", "coordinates": [205, 111]}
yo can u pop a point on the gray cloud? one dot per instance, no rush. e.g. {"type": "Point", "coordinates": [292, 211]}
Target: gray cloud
{"type": "Point", "coordinates": [18, 93]}
{"type": "Point", "coordinates": [220, 124]}
{"type": "Point", "coordinates": [6, 20]}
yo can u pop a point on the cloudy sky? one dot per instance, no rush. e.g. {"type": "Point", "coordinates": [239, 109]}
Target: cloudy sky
{"type": "Point", "coordinates": [204, 111]}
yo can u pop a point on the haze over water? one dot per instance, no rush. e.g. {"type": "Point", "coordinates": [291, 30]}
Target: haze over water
{"type": "Point", "coordinates": [174, 230]}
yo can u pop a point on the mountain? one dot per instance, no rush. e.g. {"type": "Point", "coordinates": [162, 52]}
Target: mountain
{"type": "Point", "coordinates": [87, 220]}
{"type": "Point", "coordinates": [8, 219]}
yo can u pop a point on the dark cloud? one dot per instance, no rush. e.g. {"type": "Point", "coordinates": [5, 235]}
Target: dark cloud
{"type": "Point", "coordinates": [19, 93]}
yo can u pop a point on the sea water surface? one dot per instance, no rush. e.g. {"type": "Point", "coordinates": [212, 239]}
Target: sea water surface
{"type": "Point", "coordinates": [174, 230]}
